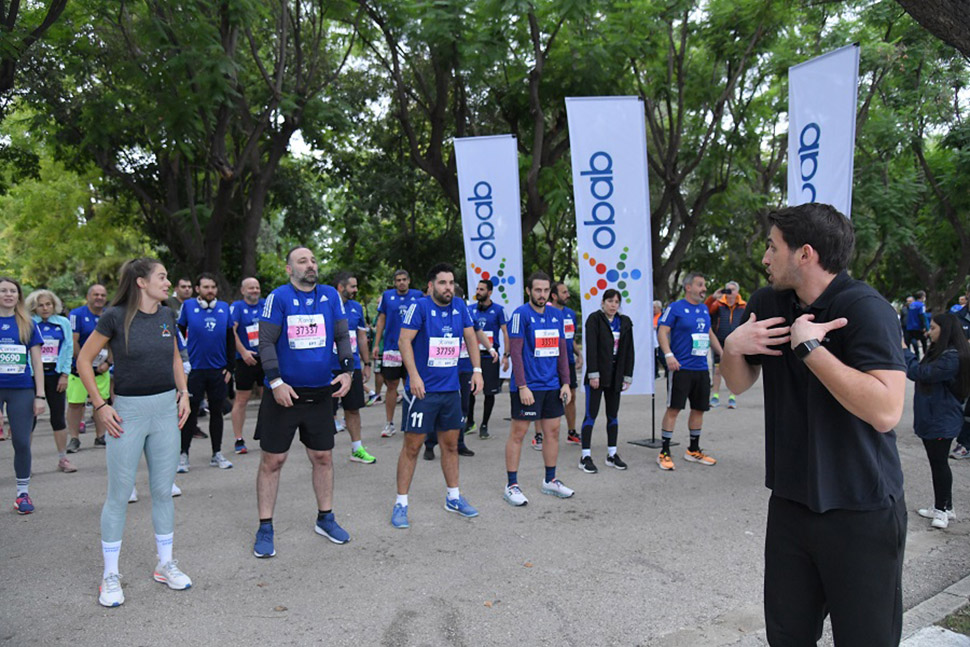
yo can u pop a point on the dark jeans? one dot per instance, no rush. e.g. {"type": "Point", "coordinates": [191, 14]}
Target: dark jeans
{"type": "Point", "coordinates": [843, 563]}
{"type": "Point", "coordinates": [208, 383]}
{"type": "Point", "coordinates": [915, 339]}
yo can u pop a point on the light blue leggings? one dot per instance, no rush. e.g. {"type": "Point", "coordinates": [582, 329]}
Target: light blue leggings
{"type": "Point", "coordinates": [150, 424]}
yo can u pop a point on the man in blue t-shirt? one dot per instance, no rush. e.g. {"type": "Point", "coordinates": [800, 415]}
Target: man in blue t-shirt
{"type": "Point", "coordinates": [301, 324]}
{"type": "Point", "coordinates": [558, 298]}
{"type": "Point", "coordinates": [539, 385]}
{"type": "Point", "coordinates": [489, 318]}
{"type": "Point", "coordinates": [916, 326]}
{"type": "Point", "coordinates": [684, 335]}
{"type": "Point", "coordinates": [244, 315]}
{"type": "Point", "coordinates": [391, 309]}
{"type": "Point", "coordinates": [431, 335]}
{"type": "Point", "coordinates": [83, 320]}
{"type": "Point", "coordinates": [355, 400]}
{"type": "Point", "coordinates": [207, 325]}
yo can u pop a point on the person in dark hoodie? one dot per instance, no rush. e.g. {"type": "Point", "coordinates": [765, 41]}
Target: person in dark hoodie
{"type": "Point", "coordinates": [609, 371]}
{"type": "Point", "coordinates": [942, 384]}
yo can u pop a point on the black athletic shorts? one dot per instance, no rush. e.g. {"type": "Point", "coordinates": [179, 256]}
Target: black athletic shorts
{"type": "Point", "coordinates": [547, 405]}
{"type": "Point", "coordinates": [491, 372]}
{"type": "Point", "coordinates": [248, 376]}
{"type": "Point", "coordinates": [392, 373]}
{"type": "Point", "coordinates": [693, 385]}
{"type": "Point", "coordinates": [355, 398]}
{"type": "Point", "coordinates": [312, 414]}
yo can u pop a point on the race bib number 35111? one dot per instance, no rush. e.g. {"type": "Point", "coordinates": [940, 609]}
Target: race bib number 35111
{"type": "Point", "coordinates": [547, 343]}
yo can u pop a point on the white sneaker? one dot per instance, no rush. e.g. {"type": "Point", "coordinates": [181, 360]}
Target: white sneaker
{"type": "Point", "coordinates": [220, 461]}
{"type": "Point", "coordinates": [959, 452]}
{"type": "Point", "coordinates": [176, 490]}
{"type": "Point", "coordinates": [557, 488]}
{"type": "Point", "coordinates": [183, 464]}
{"type": "Point", "coordinates": [340, 425]}
{"type": "Point", "coordinates": [389, 430]}
{"type": "Point", "coordinates": [134, 496]}
{"type": "Point", "coordinates": [109, 593]}
{"type": "Point", "coordinates": [940, 519]}
{"type": "Point", "coordinates": [514, 495]}
{"type": "Point", "coordinates": [171, 575]}
{"type": "Point", "coordinates": [930, 513]}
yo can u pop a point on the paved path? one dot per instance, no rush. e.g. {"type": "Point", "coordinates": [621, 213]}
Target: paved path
{"type": "Point", "coordinates": [637, 557]}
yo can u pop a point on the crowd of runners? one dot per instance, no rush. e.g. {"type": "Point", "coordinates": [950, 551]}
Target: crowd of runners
{"type": "Point", "coordinates": [153, 361]}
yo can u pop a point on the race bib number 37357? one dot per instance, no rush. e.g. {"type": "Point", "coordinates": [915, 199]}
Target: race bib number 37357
{"type": "Point", "coordinates": [306, 331]}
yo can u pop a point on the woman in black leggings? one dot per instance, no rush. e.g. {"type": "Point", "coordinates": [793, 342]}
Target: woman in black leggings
{"type": "Point", "coordinates": [942, 384]}
{"type": "Point", "coordinates": [608, 339]}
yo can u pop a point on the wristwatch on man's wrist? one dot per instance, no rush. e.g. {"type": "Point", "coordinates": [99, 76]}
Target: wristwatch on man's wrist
{"type": "Point", "coordinates": [806, 347]}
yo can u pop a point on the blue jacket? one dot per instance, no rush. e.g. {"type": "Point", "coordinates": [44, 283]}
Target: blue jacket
{"type": "Point", "coordinates": [66, 353]}
{"type": "Point", "coordinates": [936, 410]}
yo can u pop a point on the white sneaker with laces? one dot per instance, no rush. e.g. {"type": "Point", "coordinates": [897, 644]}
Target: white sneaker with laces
{"type": "Point", "coordinates": [220, 461]}
{"type": "Point", "coordinates": [170, 575]}
{"type": "Point", "coordinates": [183, 464]}
{"type": "Point", "coordinates": [110, 593]}
{"type": "Point", "coordinates": [134, 496]}
{"type": "Point", "coordinates": [959, 452]}
{"type": "Point", "coordinates": [940, 519]}
{"type": "Point", "coordinates": [930, 513]}
{"type": "Point", "coordinates": [514, 495]}
{"type": "Point", "coordinates": [176, 490]}
{"type": "Point", "coordinates": [389, 430]}
{"type": "Point", "coordinates": [557, 488]}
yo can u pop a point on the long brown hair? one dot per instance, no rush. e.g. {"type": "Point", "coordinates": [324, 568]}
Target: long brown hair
{"type": "Point", "coordinates": [128, 293]}
{"type": "Point", "coordinates": [951, 336]}
{"type": "Point", "coordinates": [25, 326]}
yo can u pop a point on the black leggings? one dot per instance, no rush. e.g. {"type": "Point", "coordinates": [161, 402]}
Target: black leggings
{"type": "Point", "coordinates": [210, 384]}
{"type": "Point", "coordinates": [486, 412]}
{"type": "Point", "coordinates": [937, 451]}
{"type": "Point", "coordinates": [56, 402]}
{"type": "Point", "coordinates": [593, 409]}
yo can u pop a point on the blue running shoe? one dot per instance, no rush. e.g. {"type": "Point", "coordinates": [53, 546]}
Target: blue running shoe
{"type": "Point", "coordinates": [23, 504]}
{"type": "Point", "coordinates": [461, 506]}
{"type": "Point", "coordinates": [264, 541]}
{"type": "Point", "coordinates": [399, 516]}
{"type": "Point", "coordinates": [329, 528]}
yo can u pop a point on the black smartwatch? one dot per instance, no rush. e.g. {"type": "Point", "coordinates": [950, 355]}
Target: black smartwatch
{"type": "Point", "coordinates": [806, 347]}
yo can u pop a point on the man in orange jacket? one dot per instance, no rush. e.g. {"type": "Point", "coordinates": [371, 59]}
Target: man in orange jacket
{"type": "Point", "coordinates": [727, 309]}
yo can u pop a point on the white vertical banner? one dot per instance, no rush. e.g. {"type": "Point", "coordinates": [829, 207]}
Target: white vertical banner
{"type": "Point", "coordinates": [607, 138]}
{"type": "Point", "coordinates": [822, 96]}
{"type": "Point", "coordinates": [491, 218]}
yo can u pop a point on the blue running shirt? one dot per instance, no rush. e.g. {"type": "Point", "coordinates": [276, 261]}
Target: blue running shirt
{"type": "Point", "coordinates": [490, 320]}
{"type": "Point", "coordinates": [16, 371]}
{"type": "Point", "coordinates": [690, 333]}
{"type": "Point", "coordinates": [53, 340]}
{"type": "Point", "coordinates": [305, 344]}
{"type": "Point", "coordinates": [540, 351]}
{"type": "Point", "coordinates": [393, 306]}
{"type": "Point", "coordinates": [205, 332]}
{"type": "Point", "coordinates": [83, 322]}
{"type": "Point", "coordinates": [246, 318]}
{"type": "Point", "coordinates": [437, 345]}
{"type": "Point", "coordinates": [355, 322]}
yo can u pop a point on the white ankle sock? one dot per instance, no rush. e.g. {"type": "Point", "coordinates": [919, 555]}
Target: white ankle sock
{"type": "Point", "coordinates": [453, 493]}
{"type": "Point", "coordinates": [163, 544]}
{"type": "Point", "coordinates": [355, 445]}
{"type": "Point", "coordinates": [110, 551]}
{"type": "Point", "coordinates": [586, 452]}
{"type": "Point", "coordinates": [611, 451]}
{"type": "Point", "coordinates": [402, 499]}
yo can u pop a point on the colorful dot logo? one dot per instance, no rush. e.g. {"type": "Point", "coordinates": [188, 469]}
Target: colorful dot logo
{"type": "Point", "coordinates": [500, 279]}
{"type": "Point", "coordinates": [619, 276]}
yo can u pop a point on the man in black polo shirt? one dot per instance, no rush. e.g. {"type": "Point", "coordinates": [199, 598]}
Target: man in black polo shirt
{"type": "Point", "coordinates": [834, 384]}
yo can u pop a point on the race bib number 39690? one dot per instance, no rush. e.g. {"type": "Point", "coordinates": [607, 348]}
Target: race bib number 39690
{"type": "Point", "coordinates": [13, 359]}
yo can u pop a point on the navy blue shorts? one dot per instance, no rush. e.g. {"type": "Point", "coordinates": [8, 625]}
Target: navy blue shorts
{"type": "Point", "coordinates": [547, 405]}
{"type": "Point", "coordinates": [436, 412]}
